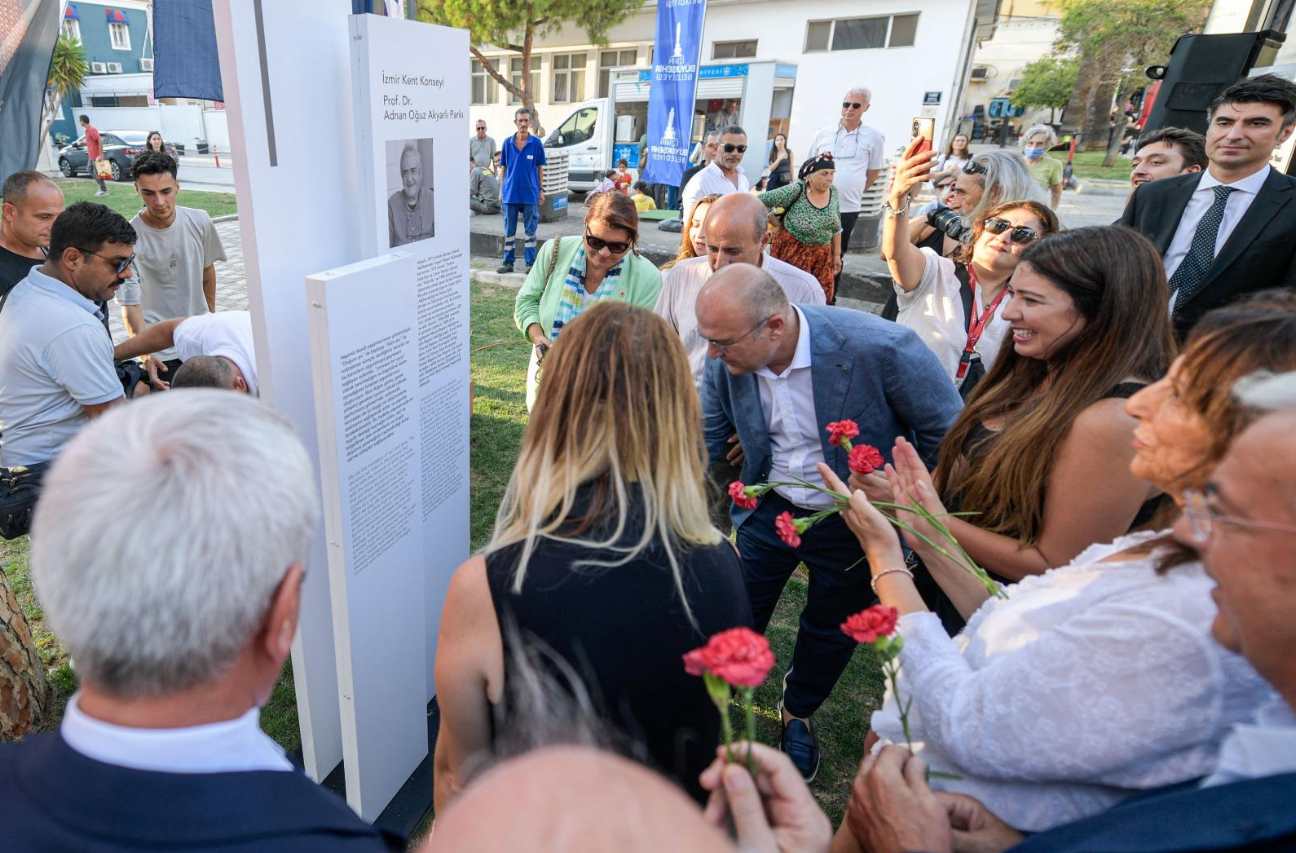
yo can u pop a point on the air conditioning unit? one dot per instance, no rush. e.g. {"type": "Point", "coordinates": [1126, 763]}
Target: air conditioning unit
{"type": "Point", "coordinates": [146, 64]}
{"type": "Point", "coordinates": [114, 68]}
{"type": "Point", "coordinates": [98, 68]}
{"type": "Point", "coordinates": [980, 72]}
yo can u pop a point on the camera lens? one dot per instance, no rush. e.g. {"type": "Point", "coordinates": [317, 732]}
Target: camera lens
{"type": "Point", "coordinates": [949, 223]}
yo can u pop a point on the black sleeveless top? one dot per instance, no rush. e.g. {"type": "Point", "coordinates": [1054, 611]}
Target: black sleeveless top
{"type": "Point", "coordinates": [624, 631]}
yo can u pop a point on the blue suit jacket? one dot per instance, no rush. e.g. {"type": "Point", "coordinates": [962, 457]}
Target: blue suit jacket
{"type": "Point", "coordinates": [61, 800]}
{"type": "Point", "coordinates": [1254, 816]}
{"type": "Point", "coordinates": [875, 372]}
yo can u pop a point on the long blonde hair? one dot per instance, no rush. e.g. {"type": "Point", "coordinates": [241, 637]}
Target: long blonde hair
{"type": "Point", "coordinates": [617, 408]}
{"type": "Point", "coordinates": [686, 242]}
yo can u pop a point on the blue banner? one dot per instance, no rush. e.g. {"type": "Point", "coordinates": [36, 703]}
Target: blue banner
{"type": "Point", "coordinates": [674, 86]}
{"type": "Point", "coordinates": [184, 52]}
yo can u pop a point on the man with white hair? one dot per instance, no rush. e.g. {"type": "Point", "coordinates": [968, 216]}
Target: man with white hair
{"type": "Point", "coordinates": [858, 152]}
{"type": "Point", "coordinates": [411, 210]}
{"type": "Point", "coordinates": [179, 632]}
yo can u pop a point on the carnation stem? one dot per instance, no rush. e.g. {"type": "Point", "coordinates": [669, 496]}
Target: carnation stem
{"type": "Point", "coordinates": [726, 725]}
{"type": "Point", "coordinates": [892, 670]}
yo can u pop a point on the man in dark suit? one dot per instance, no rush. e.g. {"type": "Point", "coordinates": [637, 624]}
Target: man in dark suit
{"type": "Point", "coordinates": [179, 632]}
{"type": "Point", "coordinates": [1231, 229]}
{"type": "Point", "coordinates": [1244, 528]}
{"type": "Point", "coordinates": [779, 374]}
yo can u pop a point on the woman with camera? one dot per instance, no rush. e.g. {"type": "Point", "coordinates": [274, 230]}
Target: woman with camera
{"type": "Point", "coordinates": [979, 184]}
{"type": "Point", "coordinates": [956, 305]}
{"type": "Point", "coordinates": [571, 275]}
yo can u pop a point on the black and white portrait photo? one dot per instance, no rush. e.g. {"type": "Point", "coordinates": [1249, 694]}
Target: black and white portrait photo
{"type": "Point", "coordinates": [410, 201]}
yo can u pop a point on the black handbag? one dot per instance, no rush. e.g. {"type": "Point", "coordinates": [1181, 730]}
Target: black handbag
{"type": "Point", "coordinates": [20, 488]}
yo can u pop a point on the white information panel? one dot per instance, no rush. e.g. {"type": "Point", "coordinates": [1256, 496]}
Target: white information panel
{"type": "Point", "coordinates": [412, 93]}
{"type": "Point", "coordinates": [284, 66]}
{"type": "Point", "coordinates": [364, 346]}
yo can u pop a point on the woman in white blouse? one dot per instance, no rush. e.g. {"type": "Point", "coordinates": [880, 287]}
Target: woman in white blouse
{"type": "Point", "coordinates": [1098, 679]}
{"type": "Point", "coordinates": [931, 291]}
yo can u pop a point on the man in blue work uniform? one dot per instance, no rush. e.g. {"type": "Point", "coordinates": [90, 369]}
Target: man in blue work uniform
{"type": "Point", "coordinates": [522, 161]}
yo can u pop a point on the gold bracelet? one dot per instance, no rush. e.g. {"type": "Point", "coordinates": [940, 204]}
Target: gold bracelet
{"type": "Point", "coordinates": [880, 575]}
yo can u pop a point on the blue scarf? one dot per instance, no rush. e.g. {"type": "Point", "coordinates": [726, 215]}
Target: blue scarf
{"type": "Point", "coordinates": [575, 298]}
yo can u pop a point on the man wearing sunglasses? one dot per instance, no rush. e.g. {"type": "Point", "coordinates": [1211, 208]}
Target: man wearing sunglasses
{"type": "Point", "coordinates": [724, 175]}
{"type": "Point", "coordinates": [56, 363]}
{"type": "Point", "coordinates": [858, 151]}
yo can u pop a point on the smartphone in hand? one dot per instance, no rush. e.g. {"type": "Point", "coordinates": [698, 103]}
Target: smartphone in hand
{"type": "Point", "coordinates": [924, 129]}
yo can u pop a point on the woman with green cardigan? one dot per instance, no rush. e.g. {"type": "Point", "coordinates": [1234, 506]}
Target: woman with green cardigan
{"type": "Point", "coordinates": [570, 275]}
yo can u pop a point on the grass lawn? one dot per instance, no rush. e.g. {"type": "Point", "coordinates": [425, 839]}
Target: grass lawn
{"type": "Point", "coordinates": [1088, 164]}
{"type": "Point", "coordinates": [499, 361]}
{"type": "Point", "coordinates": [123, 198]}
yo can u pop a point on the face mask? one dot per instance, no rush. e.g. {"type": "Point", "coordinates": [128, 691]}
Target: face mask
{"type": "Point", "coordinates": [1032, 153]}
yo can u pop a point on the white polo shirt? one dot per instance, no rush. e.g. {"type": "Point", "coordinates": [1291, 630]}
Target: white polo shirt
{"type": "Point", "coordinates": [227, 334]}
{"type": "Point", "coordinates": [854, 153]}
{"type": "Point", "coordinates": [711, 181]}
{"type": "Point", "coordinates": [677, 302]}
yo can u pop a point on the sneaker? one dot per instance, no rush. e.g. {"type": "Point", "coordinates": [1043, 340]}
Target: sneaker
{"type": "Point", "coordinates": [102, 192]}
{"type": "Point", "coordinates": [504, 268]}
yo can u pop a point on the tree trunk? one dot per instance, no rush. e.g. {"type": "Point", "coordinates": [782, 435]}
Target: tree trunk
{"type": "Point", "coordinates": [1098, 122]}
{"type": "Point", "coordinates": [1076, 112]}
{"type": "Point", "coordinates": [528, 97]}
{"type": "Point", "coordinates": [1118, 135]}
{"type": "Point", "coordinates": [24, 695]}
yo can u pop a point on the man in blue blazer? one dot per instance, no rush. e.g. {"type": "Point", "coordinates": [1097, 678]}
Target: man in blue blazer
{"type": "Point", "coordinates": [778, 375]}
{"type": "Point", "coordinates": [179, 632]}
{"type": "Point", "coordinates": [1244, 528]}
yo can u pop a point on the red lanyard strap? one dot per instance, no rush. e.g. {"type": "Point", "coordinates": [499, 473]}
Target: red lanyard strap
{"type": "Point", "coordinates": [978, 324]}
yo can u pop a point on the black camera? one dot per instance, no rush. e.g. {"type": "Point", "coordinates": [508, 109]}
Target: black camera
{"type": "Point", "coordinates": [949, 223]}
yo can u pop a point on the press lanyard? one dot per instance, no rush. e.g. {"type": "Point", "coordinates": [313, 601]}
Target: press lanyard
{"type": "Point", "coordinates": [978, 324]}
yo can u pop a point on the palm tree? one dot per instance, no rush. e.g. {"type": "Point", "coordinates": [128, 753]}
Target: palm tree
{"type": "Point", "coordinates": [67, 72]}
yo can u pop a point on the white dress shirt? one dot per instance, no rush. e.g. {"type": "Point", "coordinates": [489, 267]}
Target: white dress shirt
{"type": "Point", "coordinates": [677, 302]}
{"type": "Point", "coordinates": [795, 446]}
{"type": "Point", "coordinates": [854, 153]}
{"type": "Point", "coordinates": [711, 181]}
{"type": "Point", "coordinates": [1085, 685]}
{"type": "Point", "coordinates": [1266, 747]}
{"type": "Point", "coordinates": [232, 746]}
{"type": "Point", "coordinates": [1244, 192]}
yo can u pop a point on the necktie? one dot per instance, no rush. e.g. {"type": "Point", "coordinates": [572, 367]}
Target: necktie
{"type": "Point", "coordinates": [1191, 274]}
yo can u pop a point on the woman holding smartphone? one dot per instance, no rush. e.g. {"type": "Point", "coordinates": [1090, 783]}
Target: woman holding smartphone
{"type": "Point", "coordinates": [571, 275]}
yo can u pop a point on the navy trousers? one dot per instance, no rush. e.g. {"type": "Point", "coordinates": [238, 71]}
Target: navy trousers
{"type": "Point", "coordinates": [530, 214]}
{"type": "Point", "coordinates": [839, 587]}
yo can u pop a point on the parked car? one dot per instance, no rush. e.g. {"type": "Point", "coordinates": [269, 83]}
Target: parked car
{"type": "Point", "coordinates": [120, 148]}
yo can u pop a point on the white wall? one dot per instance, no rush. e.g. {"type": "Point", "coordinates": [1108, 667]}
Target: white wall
{"type": "Point", "coordinates": [1017, 42]}
{"type": "Point", "coordinates": [120, 118]}
{"type": "Point", "coordinates": [898, 76]}
{"type": "Point", "coordinates": [182, 124]}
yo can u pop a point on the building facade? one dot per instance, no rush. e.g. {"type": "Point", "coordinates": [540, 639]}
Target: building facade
{"type": "Point", "coordinates": [914, 56]}
{"type": "Point", "coordinates": [1026, 30]}
{"type": "Point", "coordinates": [118, 42]}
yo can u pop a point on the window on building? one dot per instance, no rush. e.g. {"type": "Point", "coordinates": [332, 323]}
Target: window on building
{"type": "Point", "coordinates": [515, 74]}
{"type": "Point", "coordinates": [861, 33]}
{"type": "Point", "coordinates": [484, 88]}
{"type": "Point", "coordinates": [733, 49]}
{"type": "Point", "coordinates": [72, 28]}
{"type": "Point", "coordinates": [120, 36]}
{"type": "Point", "coordinates": [609, 59]}
{"type": "Point", "coordinates": [568, 78]}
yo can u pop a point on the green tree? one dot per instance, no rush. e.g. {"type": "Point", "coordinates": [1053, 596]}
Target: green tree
{"type": "Point", "coordinates": [66, 74]}
{"type": "Point", "coordinates": [1122, 38]}
{"type": "Point", "coordinates": [1047, 82]}
{"type": "Point", "coordinates": [515, 24]}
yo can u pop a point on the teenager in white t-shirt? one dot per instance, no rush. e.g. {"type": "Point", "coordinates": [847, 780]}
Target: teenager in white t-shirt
{"type": "Point", "coordinates": [930, 289]}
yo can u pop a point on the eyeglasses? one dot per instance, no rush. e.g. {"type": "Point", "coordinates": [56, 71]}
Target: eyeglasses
{"type": "Point", "coordinates": [851, 105]}
{"type": "Point", "coordinates": [725, 347]}
{"type": "Point", "coordinates": [730, 148]}
{"type": "Point", "coordinates": [1202, 517]}
{"type": "Point", "coordinates": [972, 167]}
{"type": "Point", "coordinates": [613, 246]}
{"type": "Point", "coordinates": [120, 265]}
{"type": "Point", "coordinates": [1021, 235]}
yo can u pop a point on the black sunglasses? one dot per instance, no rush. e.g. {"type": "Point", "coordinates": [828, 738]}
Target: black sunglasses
{"type": "Point", "coordinates": [1021, 235]}
{"type": "Point", "coordinates": [972, 167]}
{"type": "Point", "coordinates": [119, 265]}
{"type": "Point", "coordinates": [616, 247]}
{"type": "Point", "coordinates": [851, 105]}
{"type": "Point", "coordinates": [730, 148]}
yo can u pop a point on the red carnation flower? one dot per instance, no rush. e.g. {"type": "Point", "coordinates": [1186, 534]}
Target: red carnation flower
{"type": "Point", "coordinates": [785, 526]}
{"type": "Point", "coordinates": [739, 656]}
{"type": "Point", "coordinates": [738, 492]}
{"type": "Point", "coordinates": [839, 430]}
{"type": "Point", "coordinates": [864, 459]}
{"type": "Point", "coordinates": [867, 625]}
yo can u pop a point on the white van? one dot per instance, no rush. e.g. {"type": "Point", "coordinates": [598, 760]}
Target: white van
{"type": "Point", "coordinates": [599, 132]}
